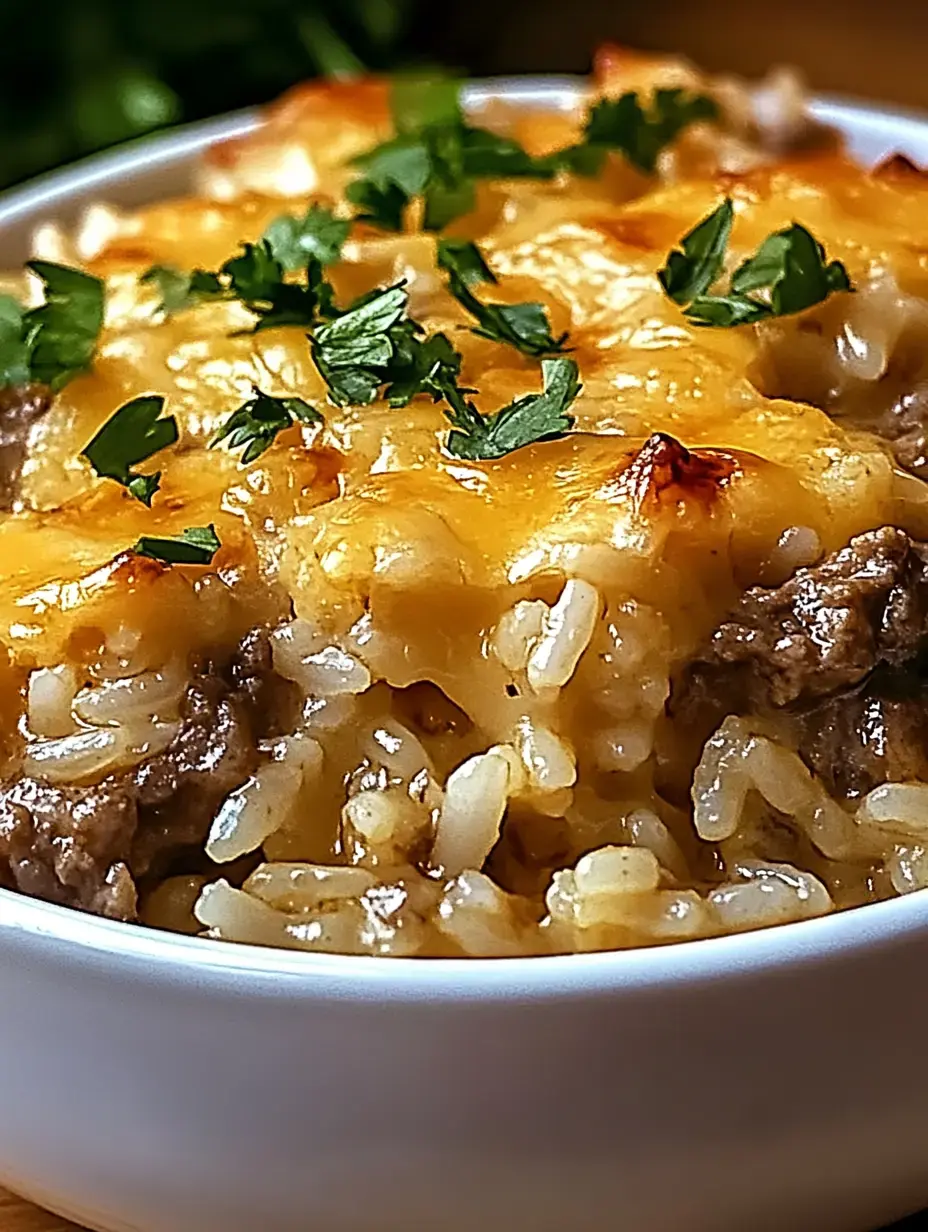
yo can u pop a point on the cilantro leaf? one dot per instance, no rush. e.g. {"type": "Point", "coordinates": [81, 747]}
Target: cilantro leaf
{"type": "Point", "coordinates": [353, 351]}
{"type": "Point", "coordinates": [62, 333]}
{"type": "Point", "coordinates": [787, 274]}
{"type": "Point", "coordinates": [256, 423]}
{"type": "Point", "coordinates": [14, 349]}
{"type": "Point", "coordinates": [693, 268]}
{"type": "Point", "coordinates": [318, 235]}
{"type": "Point", "coordinates": [131, 435]}
{"type": "Point", "coordinates": [534, 417]}
{"type": "Point", "coordinates": [197, 545]}
{"type": "Point", "coordinates": [524, 326]}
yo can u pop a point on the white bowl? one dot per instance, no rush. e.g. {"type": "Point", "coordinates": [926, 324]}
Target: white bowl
{"type": "Point", "coordinates": [154, 1083]}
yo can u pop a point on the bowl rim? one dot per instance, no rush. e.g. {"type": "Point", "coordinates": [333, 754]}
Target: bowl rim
{"type": "Point", "coordinates": [39, 928]}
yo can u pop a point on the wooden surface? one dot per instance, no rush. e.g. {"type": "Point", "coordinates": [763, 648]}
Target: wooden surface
{"type": "Point", "coordinates": [19, 1216]}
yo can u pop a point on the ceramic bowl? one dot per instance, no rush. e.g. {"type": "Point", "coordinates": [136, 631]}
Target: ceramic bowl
{"type": "Point", "coordinates": [156, 1083]}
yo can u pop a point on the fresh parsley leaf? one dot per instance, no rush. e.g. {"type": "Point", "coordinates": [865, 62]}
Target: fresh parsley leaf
{"type": "Point", "coordinates": [725, 311]}
{"type": "Point", "coordinates": [131, 435]}
{"type": "Point", "coordinates": [534, 417]}
{"type": "Point", "coordinates": [318, 235]}
{"type": "Point", "coordinates": [524, 326]}
{"type": "Point", "coordinates": [788, 273]}
{"type": "Point", "coordinates": [256, 275]}
{"type": "Point", "coordinates": [420, 100]}
{"type": "Point", "coordinates": [254, 426]}
{"type": "Point", "coordinates": [180, 290]}
{"type": "Point", "coordinates": [353, 351]}
{"type": "Point", "coordinates": [464, 259]}
{"type": "Point", "coordinates": [791, 263]}
{"type": "Point", "coordinates": [693, 268]}
{"type": "Point", "coordinates": [435, 156]}
{"type": "Point", "coordinates": [62, 333]}
{"type": "Point", "coordinates": [196, 546]}
{"type": "Point", "coordinates": [384, 207]}
{"type": "Point", "coordinates": [256, 278]}
{"type": "Point", "coordinates": [420, 366]}
{"type": "Point", "coordinates": [404, 163]}
{"type": "Point", "coordinates": [14, 349]}
{"type": "Point", "coordinates": [486, 155]}
{"type": "Point", "coordinates": [640, 134]}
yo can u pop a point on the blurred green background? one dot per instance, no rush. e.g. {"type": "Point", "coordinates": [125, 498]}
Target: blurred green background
{"type": "Point", "coordinates": [77, 75]}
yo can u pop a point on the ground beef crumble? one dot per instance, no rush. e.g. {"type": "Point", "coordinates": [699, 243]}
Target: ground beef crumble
{"type": "Point", "coordinates": [834, 655]}
{"type": "Point", "coordinates": [20, 407]}
{"type": "Point", "coordinates": [87, 846]}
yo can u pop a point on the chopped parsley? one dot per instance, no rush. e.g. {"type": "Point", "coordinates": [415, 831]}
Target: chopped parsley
{"type": "Point", "coordinates": [354, 351]}
{"type": "Point", "coordinates": [788, 273]}
{"type": "Point", "coordinates": [524, 326]}
{"type": "Point", "coordinates": [132, 434]}
{"type": "Point", "coordinates": [256, 275]}
{"type": "Point", "coordinates": [254, 426]}
{"type": "Point", "coordinates": [420, 365]}
{"type": "Point", "coordinates": [197, 545]}
{"type": "Point", "coordinates": [436, 156]}
{"type": "Point", "coordinates": [57, 341]}
{"type": "Point", "coordinates": [318, 235]}
{"type": "Point", "coordinates": [531, 418]}
{"type": "Point", "coordinates": [639, 133]}
{"type": "Point", "coordinates": [14, 344]}
{"type": "Point", "coordinates": [180, 290]}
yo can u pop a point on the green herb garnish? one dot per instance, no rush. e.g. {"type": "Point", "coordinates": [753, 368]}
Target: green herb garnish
{"type": "Point", "coordinates": [254, 426]}
{"type": "Point", "coordinates": [317, 236]}
{"type": "Point", "coordinates": [436, 156]}
{"type": "Point", "coordinates": [255, 276]}
{"type": "Point", "coordinates": [132, 434]}
{"type": "Point", "coordinates": [524, 326]}
{"type": "Point", "coordinates": [63, 332]}
{"type": "Point", "coordinates": [57, 341]}
{"type": "Point", "coordinates": [14, 345]}
{"type": "Point", "coordinates": [420, 365]}
{"type": "Point", "coordinates": [788, 273]}
{"type": "Point", "coordinates": [196, 546]}
{"type": "Point", "coordinates": [532, 418]}
{"type": "Point", "coordinates": [638, 133]}
{"type": "Point", "coordinates": [354, 351]}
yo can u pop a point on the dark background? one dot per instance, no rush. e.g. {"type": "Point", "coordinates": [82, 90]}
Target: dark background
{"type": "Point", "coordinates": [77, 75]}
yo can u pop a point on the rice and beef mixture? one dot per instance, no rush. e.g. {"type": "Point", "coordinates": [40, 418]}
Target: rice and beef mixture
{"type": "Point", "coordinates": [486, 534]}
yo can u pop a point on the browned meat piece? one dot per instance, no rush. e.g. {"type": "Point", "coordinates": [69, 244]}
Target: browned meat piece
{"type": "Point", "coordinates": [824, 630]}
{"type": "Point", "coordinates": [85, 846]}
{"type": "Point", "coordinates": [854, 743]}
{"type": "Point", "coordinates": [272, 702]}
{"type": "Point", "coordinates": [20, 407]}
{"type": "Point", "coordinates": [69, 844]}
{"type": "Point", "coordinates": [180, 790]}
{"type": "Point", "coordinates": [833, 651]}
